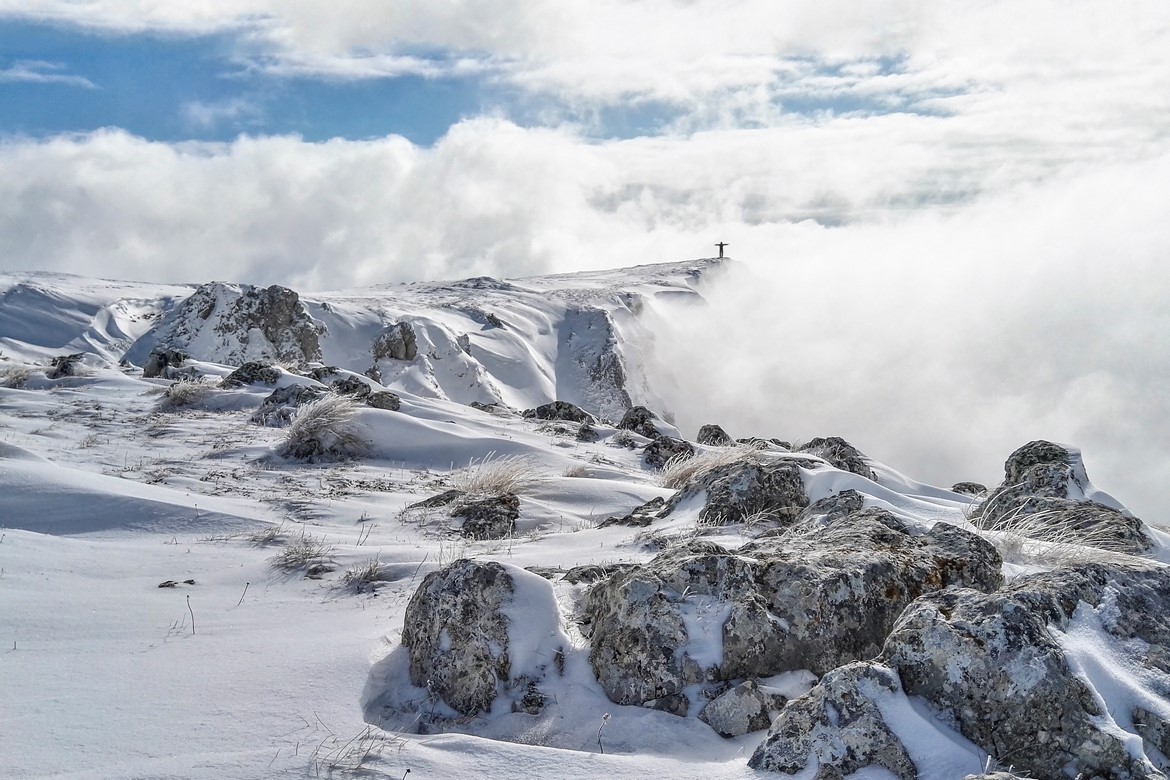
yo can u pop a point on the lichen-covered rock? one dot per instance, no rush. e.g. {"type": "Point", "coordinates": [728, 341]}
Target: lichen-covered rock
{"type": "Point", "coordinates": [749, 487]}
{"type": "Point", "coordinates": [1154, 731]}
{"type": "Point", "coordinates": [639, 516]}
{"type": "Point", "coordinates": [253, 372]}
{"type": "Point", "coordinates": [397, 342]}
{"type": "Point", "coordinates": [989, 663]}
{"type": "Point", "coordinates": [559, 410]}
{"type": "Point", "coordinates": [62, 366]}
{"type": "Point", "coordinates": [837, 728]}
{"type": "Point", "coordinates": [1046, 493]}
{"type": "Point", "coordinates": [665, 449]}
{"type": "Point", "coordinates": [161, 363]}
{"type": "Point", "coordinates": [741, 710]}
{"type": "Point", "coordinates": [493, 517]}
{"type": "Point", "coordinates": [969, 488]}
{"type": "Point", "coordinates": [456, 634]}
{"type": "Point", "coordinates": [351, 385]}
{"type": "Point", "coordinates": [278, 409]}
{"type": "Point", "coordinates": [384, 399]}
{"type": "Point", "coordinates": [640, 420]}
{"type": "Point", "coordinates": [714, 436]}
{"type": "Point", "coordinates": [832, 508]}
{"type": "Point", "coordinates": [841, 454]}
{"type": "Point", "coordinates": [587, 433]}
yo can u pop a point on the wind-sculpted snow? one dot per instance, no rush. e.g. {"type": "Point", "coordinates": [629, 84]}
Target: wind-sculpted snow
{"type": "Point", "coordinates": [233, 530]}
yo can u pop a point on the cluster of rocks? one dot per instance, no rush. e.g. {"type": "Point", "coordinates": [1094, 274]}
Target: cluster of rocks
{"type": "Point", "coordinates": [876, 607]}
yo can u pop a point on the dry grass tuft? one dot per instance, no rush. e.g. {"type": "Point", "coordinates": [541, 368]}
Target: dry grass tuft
{"type": "Point", "coordinates": [494, 476]}
{"type": "Point", "coordinates": [1054, 538]}
{"type": "Point", "coordinates": [325, 428]}
{"type": "Point", "coordinates": [361, 577]}
{"type": "Point", "coordinates": [681, 471]}
{"type": "Point", "coordinates": [302, 552]}
{"type": "Point", "coordinates": [15, 377]}
{"type": "Point", "coordinates": [184, 394]}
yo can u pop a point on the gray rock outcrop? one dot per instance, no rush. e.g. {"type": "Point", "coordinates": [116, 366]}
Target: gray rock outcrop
{"type": "Point", "coordinates": [396, 342]}
{"type": "Point", "coordinates": [741, 710]}
{"type": "Point", "coordinates": [841, 454]}
{"type": "Point", "coordinates": [162, 362]}
{"type": "Point", "coordinates": [254, 372]}
{"type": "Point", "coordinates": [278, 409]}
{"type": "Point", "coordinates": [748, 488]}
{"type": "Point", "coordinates": [665, 449]}
{"type": "Point", "coordinates": [714, 436]}
{"type": "Point", "coordinates": [640, 420]}
{"type": "Point", "coordinates": [63, 366]}
{"type": "Point", "coordinates": [491, 517]}
{"type": "Point", "coordinates": [559, 410]}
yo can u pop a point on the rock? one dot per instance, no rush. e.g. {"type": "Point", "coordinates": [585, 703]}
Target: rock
{"type": "Point", "coordinates": [278, 409]}
{"type": "Point", "coordinates": [994, 776]}
{"type": "Point", "coordinates": [640, 420]}
{"type": "Point", "coordinates": [63, 366]}
{"type": "Point", "coordinates": [351, 385]}
{"type": "Point", "coordinates": [714, 436]}
{"type": "Point", "coordinates": [493, 517]}
{"type": "Point", "coordinates": [161, 362]}
{"type": "Point", "coordinates": [592, 572]}
{"type": "Point", "coordinates": [397, 342]}
{"type": "Point", "coordinates": [665, 449]}
{"type": "Point", "coordinates": [384, 399]}
{"type": "Point", "coordinates": [587, 433]}
{"type": "Point", "coordinates": [324, 373]}
{"type": "Point", "coordinates": [1154, 731]}
{"type": "Point", "coordinates": [456, 634]}
{"type": "Point", "coordinates": [989, 663]}
{"type": "Point", "coordinates": [1044, 495]}
{"type": "Point", "coordinates": [254, 372]}
{"type": "Point", "coordinates": [969, 488]}
{"type": "Point", "coordinates": [639, 517]}
{"type": "Point", "coordinates": [559, 410]}
{"type": "Point", "coordinates": [492, 408]}
{"type": "Point", "coordinates": [840, 454]}
{"type": "Point", "coordinates": [741, 710]}
{"type": "Point", "coordinates": [747, 488]}
{"type": "Point", "coordinates": [838, 728]}
{"type": "Point", "coordinates": [442, 499]}
{"type": "Point", "coordinates": [832, 508]}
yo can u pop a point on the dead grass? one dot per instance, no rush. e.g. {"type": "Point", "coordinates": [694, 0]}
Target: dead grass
{"type": "Point", "coordinates": [15, 377]}
{"type": "Point", "coordinates": [302, 552]}
{"type": "Point", "coordinates": [325, 428]}
{"type": "Point", "coordinates": [1053, 538]}
{"type": "Point", "coordinates": [682, 470]}
{"type": "Point", "coordinates": [362, 577]}
{"type": "Point", "coordinates": [492, 476]}
{"type": "Point", "coordinates": [184, 394]}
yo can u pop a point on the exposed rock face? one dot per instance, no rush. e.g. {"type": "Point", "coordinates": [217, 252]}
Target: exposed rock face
{"type": "Point", "coordinates": [839, 727]}
{"type": "Point", "coordinates": [65, 365]}
{"type": "Point", "coordinates": [456, 634]}
{"type": "Point", "coordinates": [278, 409]}
{"type": "Point", "coordinates": [640, 516]}
{"type": "Point", "coordinates": [351, 385]}
{"type": "Point", "coordinates": [666, 448]}
{"type": "Point", "coordinates": [640, 420]}
{"type": "Point", "coordinates": [832, 508]}
{"type": "Point", "coordinates": [814, 602]}
{"type": "Point", "coordinates": [741, 710]}
{"type": "Point", "coordinates": [384, 399]}
{"type": "Point", "coordinates": [969, 488]}
{"type": "Point", "coordinates": [493, 517]}
{"type": "Point", "coordinates": [252, 373]}
{"type": "Point", "coordinates": [559, 410]}
{"type": "Point", "coordinates": [841, 454]}
{"type": "Point", "coordinates": [990, 664]}
{"type": "Point", "coordinates": [162, 362]}
{"type": "Point", "coordinates": [229, 324]}
{"type": "Point", "coordinates": [397, 342]}
{"type": "Point", "coordinates": [740, 490]}
{"type": "Point", "coordinates": [1046, 483]}
{"type": "Point", "coordinates": [714, 436]}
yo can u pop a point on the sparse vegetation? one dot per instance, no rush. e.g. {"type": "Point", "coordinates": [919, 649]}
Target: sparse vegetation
{"type": "Point", "coordinates": [494, 476]}
{"type": "Point", "coordinates": [1053, 538]}
{"type": "Point", "coordinates": [681, 470]}
{"type": "Point", "coordinates": [323, 429]}
{"type": "Point", "coordinates": [301, 553]}
{"type": "Point", "coordinates": [184, 393]}
{"type": "Point", "coordinates": [15, 377]}
{"type": "Point", "coordinates": [576, 471]}
{"type": "Point", "coordinates": [362, 576]}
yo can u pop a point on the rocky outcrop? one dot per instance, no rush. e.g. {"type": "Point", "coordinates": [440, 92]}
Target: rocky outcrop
{"type": "Point", "coordinates": [396, 342]}
{"type": "Point", "coordinates": [714, 436]}
{"type": "Point", "coordinates": [841, 454]}
{"type": "Point", "coordinates": [162, 363]}
{"type": "Point", "coordinates": [837, 728]}
{"type": "Point", "coordinates": [351, 385]}
{"type": "Point", "coordinates": [384, 399]}
{"type": "Point", "coordinates": [746, 489]}
{"type": "Point", "coordinates": [491, 517]}
{"type": "Point", "coordinates": [639, 516]}
{"type": "Point", "coordinates": [559, 410]}
{"type": "Point", "coordinates": [741, 710]}
{"type": "Point", "coordinates": [969, 488]}
{"type": "Point", "coordinates": [279, 408]}
{"type": "Point", "coordinates": [665, 449]}
{"type": "Point", "coordinates": [252, 373]}
{"type": "Point", "coordinates": [63, 366]}
{"type": "Point", "coordinates": [815, 601]}
{"type": "Point", "coordinates": [640, 420]}
{"type": "Point", "coordinates": [990, 663]}
{"type": "Point", "coordinates": [1046, 493]}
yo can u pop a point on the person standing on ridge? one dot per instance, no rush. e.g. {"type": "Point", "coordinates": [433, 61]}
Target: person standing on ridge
{"type": "Point", "coordinates": [721, 244]}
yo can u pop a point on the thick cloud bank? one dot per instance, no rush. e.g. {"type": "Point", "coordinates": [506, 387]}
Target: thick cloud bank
{"type": "Point", "coordinates": [939, 344]}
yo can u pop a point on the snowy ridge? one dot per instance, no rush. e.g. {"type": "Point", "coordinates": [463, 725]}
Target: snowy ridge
{"type": "Point", "coordinates": [237, 613]}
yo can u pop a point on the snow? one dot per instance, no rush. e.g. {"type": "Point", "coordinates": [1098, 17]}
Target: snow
{"type": "Point", "coordinates": [254, 672]}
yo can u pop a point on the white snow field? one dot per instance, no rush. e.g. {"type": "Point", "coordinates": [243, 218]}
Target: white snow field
{"type": "Point", "coordinates": [268, 655]}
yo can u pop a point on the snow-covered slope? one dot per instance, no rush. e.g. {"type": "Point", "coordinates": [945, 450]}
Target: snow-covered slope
{"type": "Point", "coordinates": [179, 597]}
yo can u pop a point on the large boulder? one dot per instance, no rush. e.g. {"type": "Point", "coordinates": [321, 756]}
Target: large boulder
{"type": "Point", "coordinates": [741, 710]}
{"type": "Point", "coordinates": [841, 454]}
{"type": "Point", "coordinates": [714, 436]}
{"type": "Point", "coordinates": [490, 517]}
{"type": "Point", "coordinates": [1046, 494]}
{"type": "Point", "coordinates": [991, 664]}
{"type": "Point", "coordinates": [254, 372]}
{"type": "Point", "coordinates": [665, 449]}
{"type": "Point", "coordinates": [162, 362]}
{"type": "Point", "coordinates": [62, 366]}
{"type": "Point", "coordinates": [640, 420]}
{"type": "Point", "coordinates": [837, 728]}
{"type": "Point", "coordinates": [825, 597]}
{"type": "Point", "coordinates": [396, 342]}
{"type": "Point", "coordinates": [279, 408]}
{"type": "Point", "coordinates": [747, 488]}
{"type": "Point", "coordinates": [559, 410]}
{"type": "Point", "coordinates": [462, 645]}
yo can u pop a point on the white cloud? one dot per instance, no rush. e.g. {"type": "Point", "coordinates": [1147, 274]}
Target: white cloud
{"type": "Point", "coordinates": [204, 115]}
{"type": "Point", "coordinates": [40, 72]}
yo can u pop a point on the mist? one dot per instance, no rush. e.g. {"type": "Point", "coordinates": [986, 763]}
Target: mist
{"type": "Point", "coordinates": [939, 343]}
